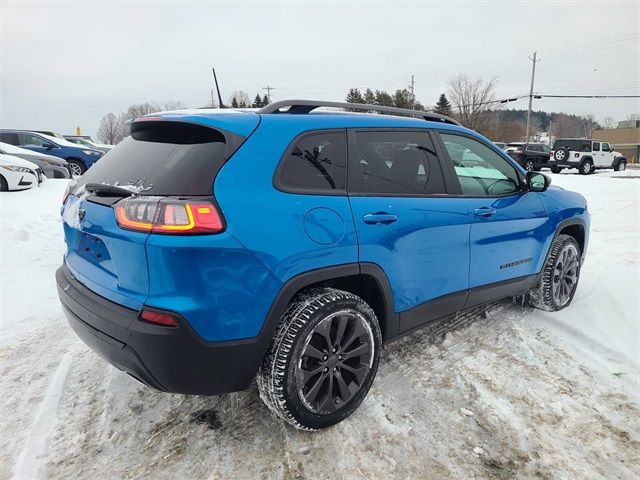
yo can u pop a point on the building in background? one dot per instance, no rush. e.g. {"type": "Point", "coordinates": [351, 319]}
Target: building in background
{"type": "Point", "coordinates": [625, 140]}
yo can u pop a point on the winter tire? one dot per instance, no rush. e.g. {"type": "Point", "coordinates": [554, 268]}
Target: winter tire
{"type": "Point", "coordinates": [323, 359]}
{"type": "Point", "coordinates": [620, 166]}
{"type": "Point", "coordinates": [529, 165]}
{"type": "Point", "coordinates": [76, 167]}
{"type": "Point", "coordinates": [560, 276]}
{"type": "Point", "coordinates": [4, 186]}
{"type": "Point", "coordinates": [586, 167]}
{"type": "Point", "coordinates": [556, 169]}
{"type": "Point", "coordinates": [561, 155]}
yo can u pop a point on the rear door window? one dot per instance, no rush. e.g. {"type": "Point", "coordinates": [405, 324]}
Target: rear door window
{"type": "Point", "coordinates": [397, 163]}
{"type": "Point", "coordinates": [163, 158]}
{"type": "Point", "coordinates": [316, 164]}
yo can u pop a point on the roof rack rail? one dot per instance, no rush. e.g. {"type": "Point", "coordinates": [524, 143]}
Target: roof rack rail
{"type": "Point", "coordinates": [306, 106]}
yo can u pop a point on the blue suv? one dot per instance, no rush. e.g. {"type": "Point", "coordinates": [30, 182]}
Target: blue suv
{"type": "Point", "coordinates": [212, 247]}
{"type": "Point", "coordinates": [78, 158]}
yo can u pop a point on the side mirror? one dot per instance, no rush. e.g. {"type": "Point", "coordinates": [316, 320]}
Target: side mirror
{"type": "Point", "coordinates": [537, 182]}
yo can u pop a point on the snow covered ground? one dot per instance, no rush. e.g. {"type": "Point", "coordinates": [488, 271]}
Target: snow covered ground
{"type": "Point", "coordinates": [503, 393]}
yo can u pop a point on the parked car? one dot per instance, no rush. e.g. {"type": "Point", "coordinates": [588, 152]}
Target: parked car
{"type": "Point", "coordinates": [213, 246]}
{"type": "Point", "coordinates": [530, 156]}
{"type": "Point", "coordinates": [88, 142]}
{"type": "Point", "coordinates": [18, 174]}
{"type": "Point", "coordinates": [50, 133]}
{"type": "Point", "coordinates": [78, 158]}
{"type": "Point", "coordinates": [586, 155]}
{"type": "Point", "coordinates": [52, 167]}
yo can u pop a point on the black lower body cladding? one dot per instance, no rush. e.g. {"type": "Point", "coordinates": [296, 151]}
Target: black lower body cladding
{"type": "Point", "coordinates": [169, 359]}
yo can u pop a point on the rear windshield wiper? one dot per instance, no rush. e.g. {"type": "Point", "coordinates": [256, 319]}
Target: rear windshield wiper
{"type": "Point", "coordinates": [108, 190]}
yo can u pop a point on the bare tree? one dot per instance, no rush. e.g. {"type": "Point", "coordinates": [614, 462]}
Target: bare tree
{"type": "Point", "coordinates": [470, 99]}
{"type": "Point", "coordinates": [589, 124]}
{"type": "Point", "coordinates": [109, 130]}
{"type": "Point", "coordinates": [240, 99]}
{"type": "Point", "coordinates": [609, 122]}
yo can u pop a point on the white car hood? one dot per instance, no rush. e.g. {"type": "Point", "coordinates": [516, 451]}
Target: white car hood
{"type": "Point", "coordinates": [10, 160]}
{"type": "Point", "coordinates": [13, 150]}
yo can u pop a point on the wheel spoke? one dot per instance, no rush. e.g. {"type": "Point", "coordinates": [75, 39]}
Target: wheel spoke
{"type": "Point", "coordinates": [342, 326]}
{"type": "Point", "coordinates": [356, 352]}
{"type": "Point", "coordinates": [327, 401]}
{"type": "Point", "coordinates": [312, 352]}
{"type": "Point", "coordinates": [359, 372]}
{"type": "Point", "coordinates": [309, 374]}
{"type": "Point", "coordinates": [324, 330]}
{"type": "Point", "coordinates": [343, 389]}
{"type": "Point", "coordinates": [313, 391]}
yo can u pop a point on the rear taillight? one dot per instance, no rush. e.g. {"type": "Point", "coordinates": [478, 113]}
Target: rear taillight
{"type": "Point", "coordinates": [159, 318]}
{"type": "Point", "coordinates": [168, 215]}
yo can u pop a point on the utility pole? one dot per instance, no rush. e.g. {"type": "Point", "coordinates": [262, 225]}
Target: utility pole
{"type": "Point", "coordinates": [268, 89]}
{"type": "Point", "coordinates": [413, 95]}
{"type": "Point", "coordinates": [533, 76]}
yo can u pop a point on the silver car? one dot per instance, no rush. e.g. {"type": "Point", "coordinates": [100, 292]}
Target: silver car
{"type": "Point", "coordinates": [52, 167]}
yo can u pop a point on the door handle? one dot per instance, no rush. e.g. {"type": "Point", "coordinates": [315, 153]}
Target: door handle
{"type": "Point", "coordinates": [380, 218]}
{"type": "Point", "coordinates": [484, 212]}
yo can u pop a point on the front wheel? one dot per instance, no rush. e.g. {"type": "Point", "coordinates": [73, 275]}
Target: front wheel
{"type": "Point", "coordinates": [77, 167]}
{"type": "Point", "coordinates": [620, 166]}
{"type": "Point", "coordinates": [323, 359]}
{"type": "Point", "coordinates": [556, 169]}
{"type": "Point", "coordinates": [560, 276]}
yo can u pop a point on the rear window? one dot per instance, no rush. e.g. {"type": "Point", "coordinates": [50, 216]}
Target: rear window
{"type": "Point", "coordinates": [316, 164]}
{"type": "Point", "coordinates": [573, 145]}
{"type": "Point", "coordinates": [164, 158]}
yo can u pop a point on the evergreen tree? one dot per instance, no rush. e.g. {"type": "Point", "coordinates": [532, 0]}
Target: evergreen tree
{"type": "Point", "coordinates": [257, 102]}
{"type": "Point", "coordinates": [354, 96]}
{"type": "Point", "coordinates": [234, 102]}
{"type": "Point", "coordinates": [265, 100]}
{"type": "Point", "coordinates": [402, 98]}
{"type": "Point", "coordinates": [443, 107]}
{"type": "Point", "coordinates": [369, 97]}
{"type": "Point", "coordinates": [383, 98]}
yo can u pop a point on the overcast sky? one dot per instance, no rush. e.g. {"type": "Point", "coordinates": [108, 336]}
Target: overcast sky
{"type": "Point", "coordinates": [67, 64]}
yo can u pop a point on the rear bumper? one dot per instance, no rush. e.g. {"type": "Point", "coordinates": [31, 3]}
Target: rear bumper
{"type": "Point", "coordinates": [169, 359]}
{"type": "Point", "coordinates": [564, 164]}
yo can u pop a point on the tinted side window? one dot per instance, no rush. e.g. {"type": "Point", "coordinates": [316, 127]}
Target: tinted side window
{"type": "Point", "coordinates": [398, 162]}
{"type": "Point", "coordinates": [10, 138]}
{"type": "Point", "coordinates": [28, 140]}
{"type": "Point", "coordinates": [316, 163]}
{"type": "Point", "coordinates": [480, 170]}
{"type": "Point", "coordinates": [596, 146]}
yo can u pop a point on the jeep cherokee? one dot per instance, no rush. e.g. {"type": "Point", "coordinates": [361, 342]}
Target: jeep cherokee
{"type": "Point", "coordinates": [212, 247]}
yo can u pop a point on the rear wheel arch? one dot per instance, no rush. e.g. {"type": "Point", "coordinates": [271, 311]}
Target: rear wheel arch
{"type": "Point", "coordinates": [367, 280]}
{"type": "Point", "coordinates": [4, 185]}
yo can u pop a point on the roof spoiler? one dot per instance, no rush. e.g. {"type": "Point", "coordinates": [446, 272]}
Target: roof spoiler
{"type": "Point", "coordinates": [306, 106]}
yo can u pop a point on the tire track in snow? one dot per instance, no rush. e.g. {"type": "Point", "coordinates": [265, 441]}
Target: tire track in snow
{"type": "Point", "coordinates": [29, 461]}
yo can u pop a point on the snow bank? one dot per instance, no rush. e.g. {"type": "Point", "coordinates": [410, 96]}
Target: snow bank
{"type": "Point", "coordinates": [500, 393]}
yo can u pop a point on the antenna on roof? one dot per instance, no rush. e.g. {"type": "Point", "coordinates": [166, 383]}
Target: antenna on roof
{"type": "Point", "coordinates": [222, 105]}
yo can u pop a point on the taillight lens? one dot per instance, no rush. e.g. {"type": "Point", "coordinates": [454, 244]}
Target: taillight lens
{"type": "Point", "coordinates": [167, 215]}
